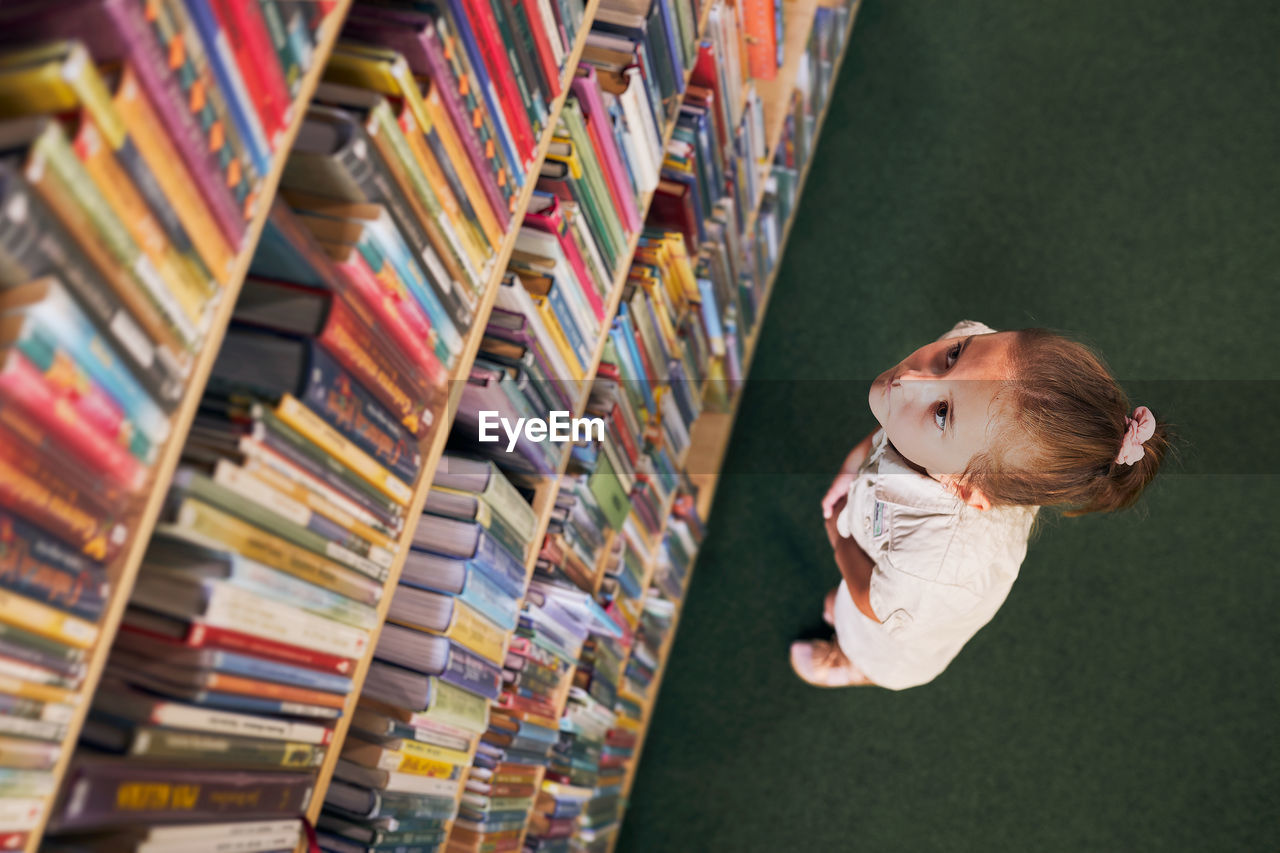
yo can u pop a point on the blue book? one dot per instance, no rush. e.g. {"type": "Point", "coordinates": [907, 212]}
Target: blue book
{"type": "Point", "coordinates": [227, 74]}
{"type": "Point", "coordinates": [460, 22]}
{"type": "Point", "coordinates": [479, 591]}
{"type": "Point", "coordinates": [38, 566]}
{"type": "Point", "coordinates": [468, 540]}
{"type": "Point", "coordinates": [564, 316]}
{"type": "Point", "coordinates": [633, 349]}
{"type": "Point", "coordinates": [396, 252]}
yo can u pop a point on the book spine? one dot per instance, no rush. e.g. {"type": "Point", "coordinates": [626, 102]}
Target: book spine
{"type": "Point", "coordinates": [36, 565]}
{"type": "Point", "coordinates": [45, 694]}
{"type": "Point", "coordinates": [292, 63]}
{"type": "Point", "coordinates": [453, 158]}
{"type": "Point", "coordinates": [92, 215]}
{"type": "Point", "coordinates": [181, 126]}
{"type": "Point", "coordinates": [231, 683]}
{"type": "Point", "coordinates": [240, 103]}
{"type": "Point", "coordinates": [27, 488]}
{"type": "Point", "coordinates": [188, 281]}
{"type": "Point", "coordinates": [451, 93]}
{"type": "Point", "coordinates": [100, 795]}
{"type": "Point", "coordinates": [518, 41]}
{"type": "Point", "coordinates": [458, 707]}
{"type": "Point", "coordinates": [471, 672]}
{"type": "Point", "coordinates": [300, 486]}
{"type": "Point", "coordinates": [489, 600]}
{"type": "Point", "coordinates": [24, 387]}
{"type": "Point", "coordinates": [292, 412]}
{"type": "Point", "coordinates": [203, 634]}
{"type": "Point", "coordinates": [162, 744]}
{"type": "Point", "coordinates": [499, 564]}
{"type": "Point", "coordinates": [231, 608]}
{"type": "Point", "coordinates": [34, 243]}
{"type": "Point", "coordinates": [479, 17]}
{"type": "Point", "coordinates": [258, 64]}
{"type": "Point", "coordinates": [253, 489]}
{"type": "Point", "coordinates": [476, 633]}
{"type": "Point", "coordinates": [351, 409]}
{"type": "Point", "coordinates": [354, 347]}
{"type": "Point", "coordinates": [199, 486]}
{"type": "Point", "coordinates": [483, 104]}
{"type": "Point", "coordinates": [262, 547]}
{"type": "Point", "coordinates": [173, 178]}
{"type": "Point", "coordinates": [250, 666]}
{"type": "Point", "coordinates": [59, 318]}
{"type": "Point", "coordinates": [400, 315]}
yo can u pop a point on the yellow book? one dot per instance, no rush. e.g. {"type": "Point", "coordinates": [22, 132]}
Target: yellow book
{"type": "Point", "coordinates": [476, 632]}
{"type": "Point", "coordinates": [387, 72]}
{"type": "Point", "coordinates": [458, 155]}
{"type": "Point", "coordinates": [171, 173]}
{"type": "Point", "coordinates": [132, 211]}
{"type": "Point", "coordinates": [431, 752]}
{"type": "Point", "coordinates": [37, 692]}
{"type": "Point", "coordinates": [429, 167]}
{"type": "Point", "coordinates": [38, 618]}
{"type": "Point", "coordinates": [276, 481]}
{"type": "Point", "coordinates": [308, 423]}
{"type": "Point", "coordinates": [557, 336]}
{"type": "Point", "coordinates": [59, 77]}
{"type": "Point", "coordinates": [258, 545]}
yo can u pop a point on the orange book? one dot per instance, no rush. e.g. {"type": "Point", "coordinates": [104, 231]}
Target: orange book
{"type": "Point", "coordinates": [761, 37]}
{"type": "Point", "coordinates": [192, 294]}
{"type": "Point", "coordinates": [171, 174]}
{"type": "Point", "coordinates": [458, 155]}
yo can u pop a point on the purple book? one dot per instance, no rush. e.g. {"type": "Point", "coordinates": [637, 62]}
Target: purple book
{"type": "Point", "coordinates": [115, 31]}
{"type": "Point", "coordinates": [516, 331]}
{"type": "Point", "coordinates": [414, 35]}
{"type": "Point", "coordinates": [432, 655]}
{"type": "Point", "coordinates": [106, 792]}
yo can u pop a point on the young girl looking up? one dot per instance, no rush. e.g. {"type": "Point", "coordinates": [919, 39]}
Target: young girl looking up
{"type": "Point", "coordinates": [929, 515]}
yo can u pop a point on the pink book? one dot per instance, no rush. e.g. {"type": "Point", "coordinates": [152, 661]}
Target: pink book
{"type": "Point", "coordinates": [587, 89]}
{"type": "Point", "coordinates": [549, 219]}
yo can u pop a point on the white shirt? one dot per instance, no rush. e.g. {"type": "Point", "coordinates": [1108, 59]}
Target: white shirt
{"type": "Point", "coordinates": [942, 568]}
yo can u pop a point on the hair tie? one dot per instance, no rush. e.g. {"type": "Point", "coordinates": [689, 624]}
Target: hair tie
{"type": "Point", "coordinates": [1138, 428]}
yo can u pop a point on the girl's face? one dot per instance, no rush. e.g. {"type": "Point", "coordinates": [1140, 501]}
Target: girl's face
{"type": "Point", "coordinates": [936, 406]}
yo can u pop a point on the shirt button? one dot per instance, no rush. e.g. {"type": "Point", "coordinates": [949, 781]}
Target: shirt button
{"type": "Point", "coordinates": [867, 522]}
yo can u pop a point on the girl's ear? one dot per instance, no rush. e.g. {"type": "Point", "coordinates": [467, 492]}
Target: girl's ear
{"type": "Point", "coordinates": [972, 495]}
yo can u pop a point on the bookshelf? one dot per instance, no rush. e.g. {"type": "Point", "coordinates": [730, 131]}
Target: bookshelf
{"type": "Point", "coordinates": [124, 570]}
{"type": "Point", "coordinates": [711, 431]}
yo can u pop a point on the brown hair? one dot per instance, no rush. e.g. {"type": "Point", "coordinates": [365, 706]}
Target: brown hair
{"type": "Point", "coordinates": [1066, 419]}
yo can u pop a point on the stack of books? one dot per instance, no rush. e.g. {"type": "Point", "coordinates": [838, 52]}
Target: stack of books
{"type": "Point", "coordinates": [437, 664]}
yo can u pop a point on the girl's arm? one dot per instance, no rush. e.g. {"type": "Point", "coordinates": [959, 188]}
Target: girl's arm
{"type": "Point", "coordinates": [854, 564]}
{"type": "Point", "coordinates": [855, 567]}
{"type": "Point", "coordinates": [840, 485]}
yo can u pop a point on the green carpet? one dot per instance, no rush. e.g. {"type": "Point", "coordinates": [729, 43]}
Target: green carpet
{"type": "Point", "coordinates": [1110, 169]}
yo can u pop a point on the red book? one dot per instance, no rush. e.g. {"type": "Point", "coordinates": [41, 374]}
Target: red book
{"type": "Point", "coordinates": [761, 38]}
{"type": "Point", "coordinates": [551, 220]}
{"type": "Point", "coordinates": [399, 316]}
{"type": "Point", "coordinates": [25, 388]}
{"type": "Point", "coordinates": [485, 29]}
{"type": "Point", "coordinates": [628, 440]}
{"type": "Point", "coordinates": [546, 58]}
{"type": "Point", "coordinates": [44, 489]}
{"type": "Point", "coordinates": [525, 704]}
{"type": "Point", "coordinates": [14, 840]}
{"type": "Point", "coordinates": [201, 636]}
{"type": "Point", "coordinates": [246, 31]}
{"type": "Point", "coordinates": [587, 89]}
{"type": "Point", "coordinates": [344, 327]}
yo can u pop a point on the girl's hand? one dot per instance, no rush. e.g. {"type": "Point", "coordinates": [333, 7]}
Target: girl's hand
{"type": "Point", "coordinates": [839, 491]}
{"type": "Point", "coordinates": [840, 485]}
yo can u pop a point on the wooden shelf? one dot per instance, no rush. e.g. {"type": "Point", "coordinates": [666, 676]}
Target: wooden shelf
{"type": "Point", "coordinates": [123, 571]}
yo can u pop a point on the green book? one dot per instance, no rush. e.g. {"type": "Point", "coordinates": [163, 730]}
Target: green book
{"type": "Point", "coordinates": [609, 493]}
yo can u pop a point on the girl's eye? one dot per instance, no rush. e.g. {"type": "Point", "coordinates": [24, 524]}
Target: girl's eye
{"type": "Point", "coordinates": [953, 354]}
{"type": "Point", "coordinates": [940, 415]}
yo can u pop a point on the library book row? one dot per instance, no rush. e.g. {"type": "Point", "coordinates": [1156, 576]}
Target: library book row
{"type": "Point", "coordinates": [263, 266]}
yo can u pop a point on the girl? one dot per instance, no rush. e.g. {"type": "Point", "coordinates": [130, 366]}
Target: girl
{"type": "Point", "coordinates": [929, 515]}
